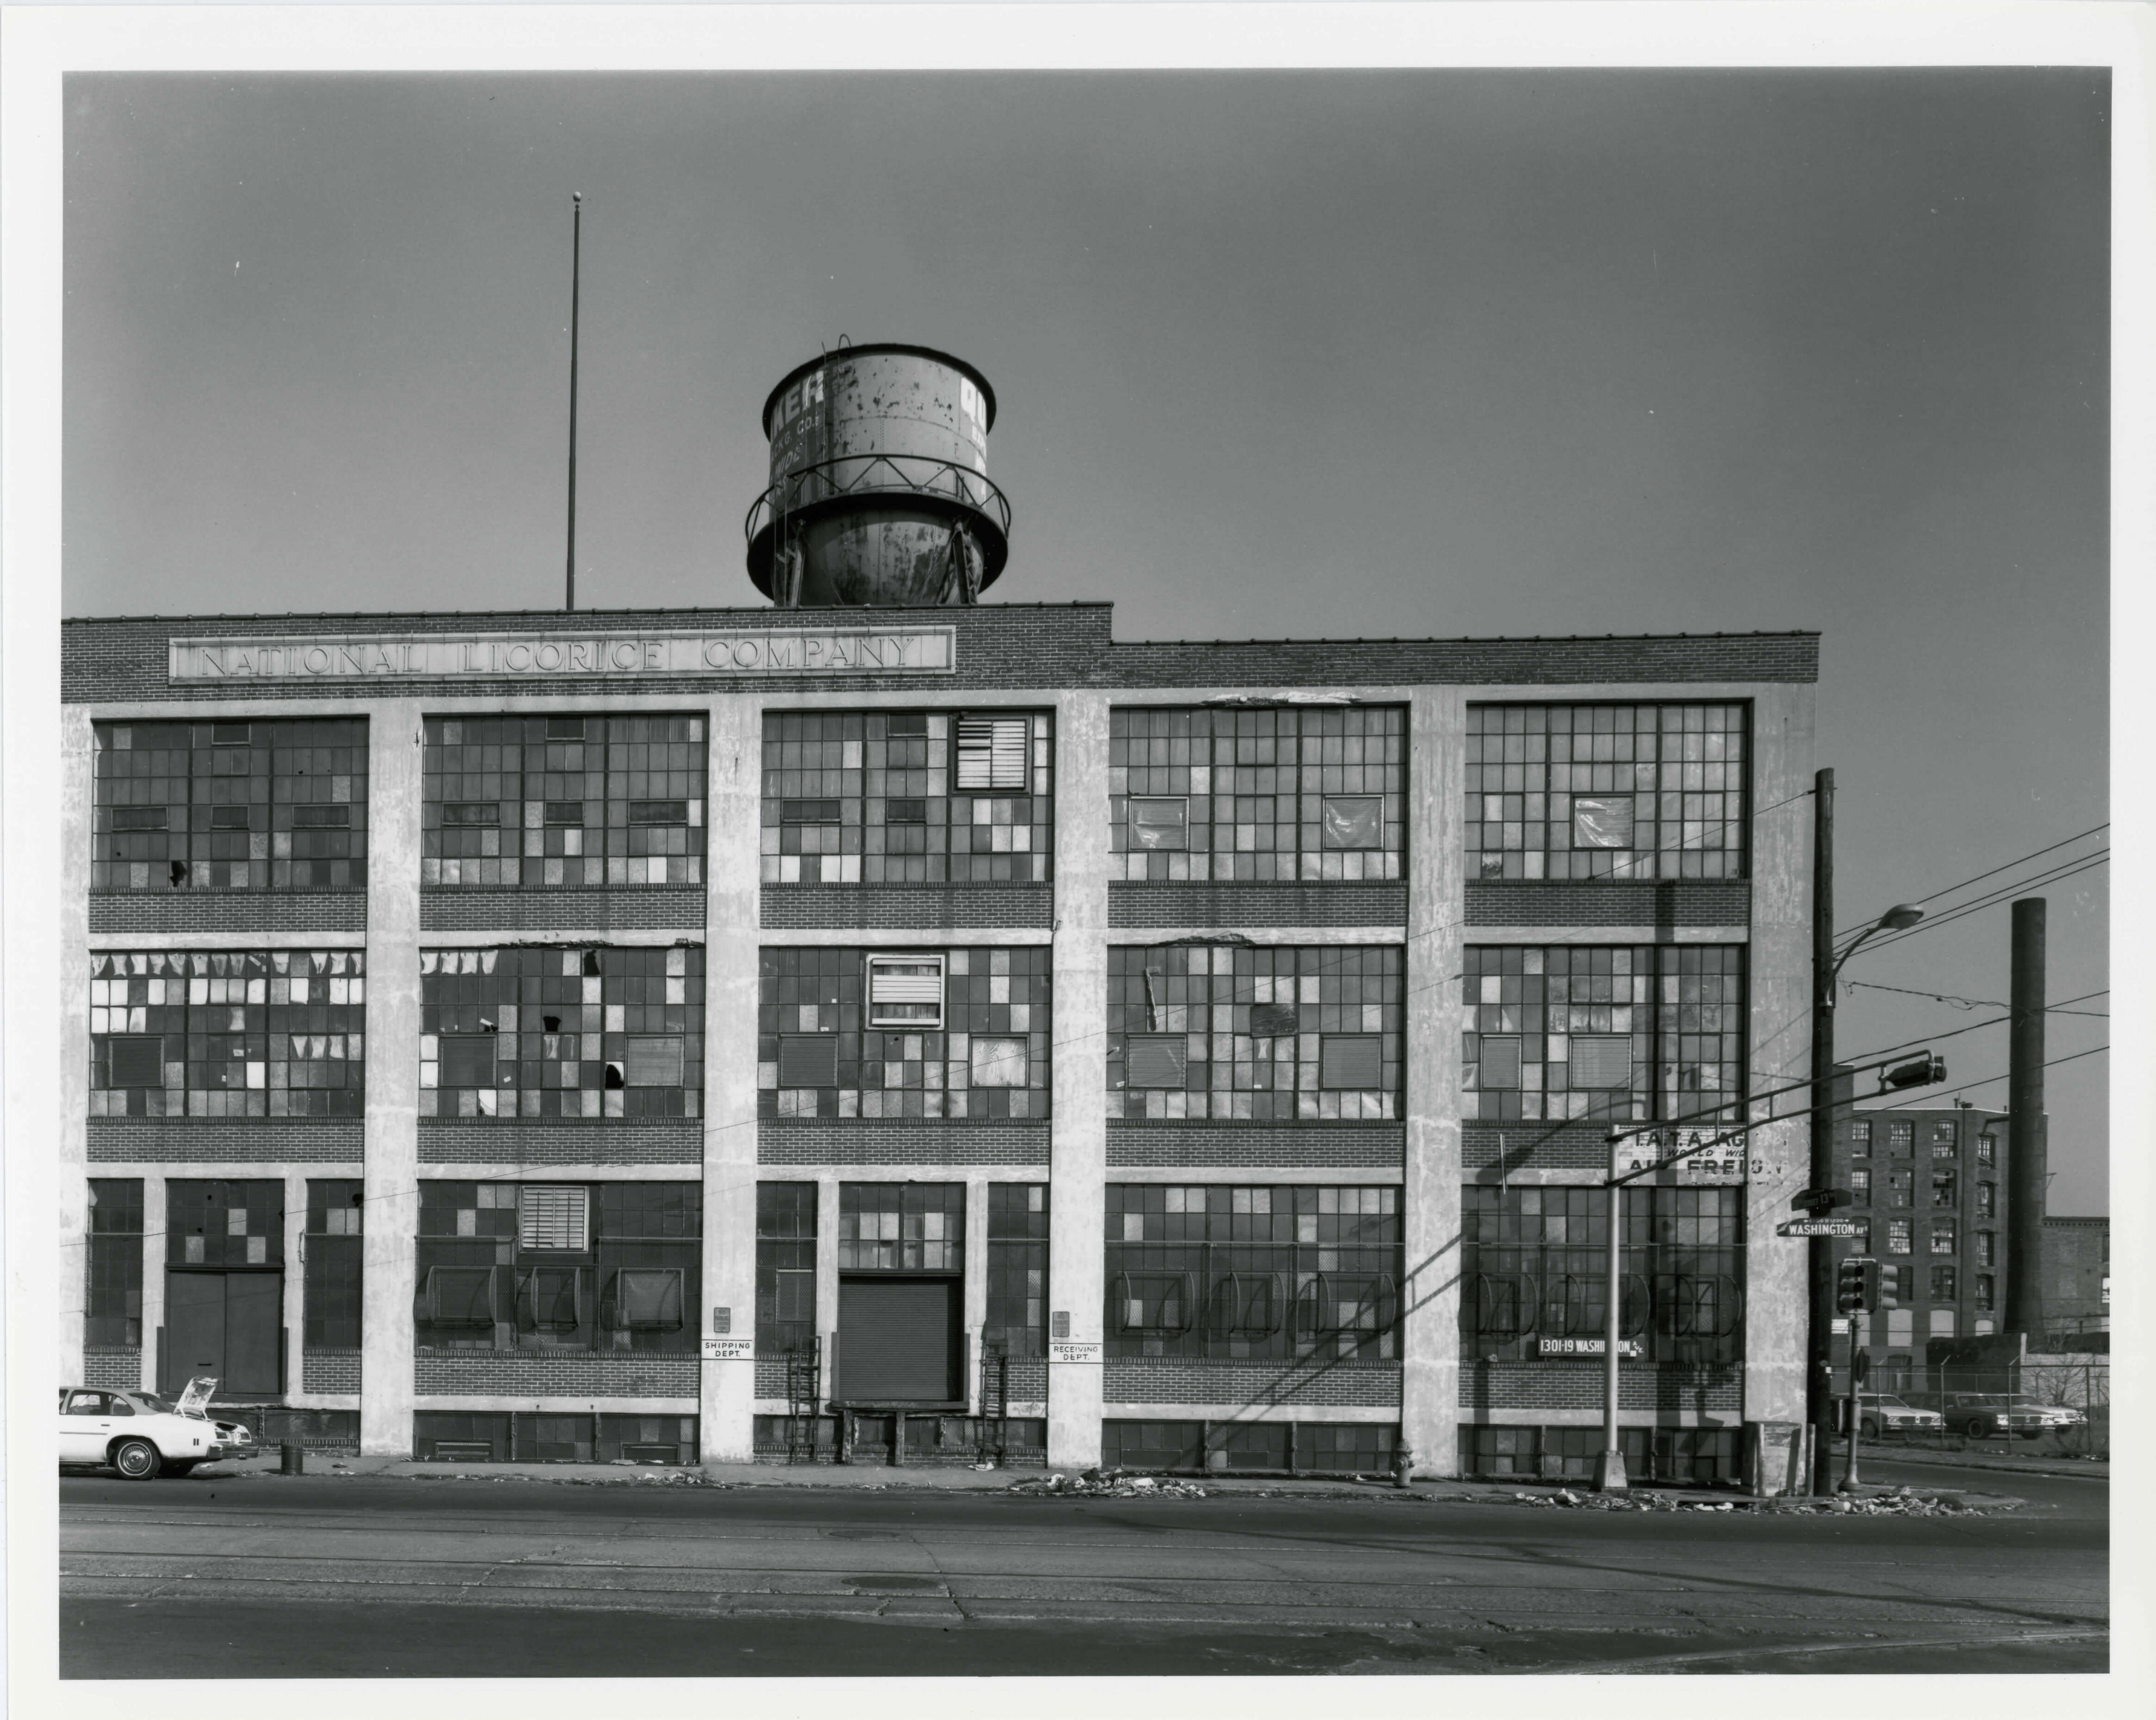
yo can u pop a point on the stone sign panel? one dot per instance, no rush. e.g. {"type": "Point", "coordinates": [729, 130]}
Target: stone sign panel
{"type": "Point", "coordinates": [564, 653]}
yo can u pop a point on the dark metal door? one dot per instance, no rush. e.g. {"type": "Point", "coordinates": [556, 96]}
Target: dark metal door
{"type": "Point", "coordinates": [194, 1329]}
{"type": "Point", "coordinates": [228, 1325]}
{"type": "Point", "coordinates": [898, 1339]}
{"type": "Point", "coordinates": [254, 1323]}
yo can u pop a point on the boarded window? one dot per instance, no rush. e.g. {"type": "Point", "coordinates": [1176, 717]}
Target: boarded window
{"type": "Point", "coordinates": [994, 753]}
{"type": "Point", "coordinates": [1352, 820]}
{"type": "Point", "coordinates": [564, 811]}
{"type": "Point", "coordinates": [228, 817]}
{"type": "Point", "coordinates": [654, 812]}
{"type": "Point", "coordinates": [462, 814]}
{"type": "Point", "coordinates": [1160, 823]}
{"type": "Point", "coordinates": [1500, 1062]}
{"type": "Point", "coordinates": [998, 1062]}
{"type": "Point", "coordinates": [1155, 1060]}
{"type": "Point", "coordinates": [468, 1060]}
{"type": "Point", "coordinates": [808, 813]}
{"type": "Point", "coordinates": [321, 818]}
{"type": "Point", "coordinates": [904, 813]}
{"type": "Point", "coordinates": [906, 990]}
{"type": "Point", "coordinates": [1599, 1062]}
{"type": "Point", "coordinates": [1351, 1061]}
{"type": "Point", "coordinates": [552, 1216]}
{"type": "Point", "coordinates": [796, 1296]}
{"type": "Point", "coordinates": [649, 1299]}
{"type": "Point", "coordinates": [808, 1060]}
{"type": "Point", "coordinates": [460, 1295]}
{"type": "Point", "coordinates": [138, 817]}
{"type": "Point", "coordinates": [138, 1060]}
{"type": "Point", "coordinates": [1601, 823]}
{"type": "Point", "coordinates": [654, 1060]}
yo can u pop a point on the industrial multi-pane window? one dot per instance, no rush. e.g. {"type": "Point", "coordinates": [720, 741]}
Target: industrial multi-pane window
{"type": "Point", "coordinates": [1987, 1199]}
{"type": "Point", "coordinates": [1901, 1187]}
{"type": "Point", "coordinates": [1901, 1138]}
{"type": "Point", "coordinates": [1018, 1269]}
{"type": "Point", "coordinates": [1267, 1033]}
{"type": "Point", "coordinates": [1945, 1234]}
{"type": "Point", "coordinates": [249, 1033]}
{"type": "Point", "coordinates": [230, 806]}
{"type": "Point", "coordinates": [1267, 1272]}
{"type": "Point", "coordinates": [1605, 792]}
{"type": "Point", "coordinates": [1946, 1189]}
{"type": "Point", "coordinates": [1987, 1149]}
{"type": "Point", "coordinates": [559, 1266]}
{"type": "Point", "coordinates": [1631, 1033]}
{"type": "Point", "coordinates": [1860, 1186]}
{"type": "Point", "coordinates": [1263, 795]}
{"type": "Point", "coordinates": [333, 1247]}
{"type": "Point", "coordinates": [1859, 1139]}
{"type": "Point", "coordinates": [950, 1033]}
{"type": "Point", "coordinates": [228, 1224]}
{"type": "Point", "coordinates": [1945, 1139]}
{"type": "Point", "coordinates": [540, 1031]}
{"type": "Point", "coordinates": [903, 1226]}
{"type": "Point", "coordinates": [1898, 1231]}
{"type": "Point", "coordinates": [785, 1266]}
{"type": "Point", "coordinates": [1987, 1243]}
{"type": "Point", "coordinates": [1987, 1290]}
{"type": "Point", "coordinates": [1942, 1284]}
{"type": "Point", "coordinates": [1535, 1272]}
{"type": "Point", "coordinates": [562, 802]}
{"type": "Point", "coordinates": [908, 797]}
{"type": "Point", "coordinates": [114, 1271]}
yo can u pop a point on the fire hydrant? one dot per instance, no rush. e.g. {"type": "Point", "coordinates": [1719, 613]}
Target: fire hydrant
{"type": "Point", "coordinates": [1403, 1466]}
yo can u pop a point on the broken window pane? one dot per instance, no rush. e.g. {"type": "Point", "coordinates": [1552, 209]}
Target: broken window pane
{"type": "Point", "coordinates": [1352, 822]}
{"type": "Point", "coordinates": [1160, 824]}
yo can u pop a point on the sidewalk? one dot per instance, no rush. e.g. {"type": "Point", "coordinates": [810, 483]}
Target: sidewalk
{"type": "Point", "coordinates": [1975, 1459]}
{"type": "Point", "coordinates": [880, 1477]}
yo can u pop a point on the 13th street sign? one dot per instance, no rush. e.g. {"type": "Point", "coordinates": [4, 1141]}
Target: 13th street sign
{"type": "Point", "coordinates": [1820, 1226]}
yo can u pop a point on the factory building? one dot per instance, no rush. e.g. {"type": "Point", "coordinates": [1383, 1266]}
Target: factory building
{"type": "Point", "coordinates": [890, 1025]}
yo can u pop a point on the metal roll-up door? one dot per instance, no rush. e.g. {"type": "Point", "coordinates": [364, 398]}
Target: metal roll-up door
{"type": "Point", "coordinates": [898, 1339]}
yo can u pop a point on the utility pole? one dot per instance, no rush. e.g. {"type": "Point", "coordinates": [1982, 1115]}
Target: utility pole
{"type": "Point", "coordinates": [2026, 1168]}
{"type": "Point", "coordinates": [1609, 1475]}
{"type": "Point", "coordinates": [576, 287]}
{"type": "Point", "coordinates": [1818, 1361]}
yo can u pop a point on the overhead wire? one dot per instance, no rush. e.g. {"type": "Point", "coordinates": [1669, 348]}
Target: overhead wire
{"type": "Point", "coordinates": [1950, 889]}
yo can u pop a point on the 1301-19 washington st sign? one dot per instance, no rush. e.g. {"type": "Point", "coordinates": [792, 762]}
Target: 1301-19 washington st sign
{"type": "Point", "coordinates": [562, 654]}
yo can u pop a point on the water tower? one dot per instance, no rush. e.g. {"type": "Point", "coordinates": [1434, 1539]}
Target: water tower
{"type": "Point", "coordinates": [880, 491]}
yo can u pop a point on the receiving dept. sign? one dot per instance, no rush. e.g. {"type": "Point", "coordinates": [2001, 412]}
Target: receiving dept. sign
{"type": "Point", "coordinates": [562, 653]}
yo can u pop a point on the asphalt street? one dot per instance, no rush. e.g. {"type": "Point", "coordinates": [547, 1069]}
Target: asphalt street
{"type": "Point", "coordinates": [393, 1576]}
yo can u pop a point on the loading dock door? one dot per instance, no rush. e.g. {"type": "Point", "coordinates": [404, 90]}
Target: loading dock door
{"type": "Point", "coordinates": [226, 1323]}
{"type": "Point", "coordinates": [898, 1340]}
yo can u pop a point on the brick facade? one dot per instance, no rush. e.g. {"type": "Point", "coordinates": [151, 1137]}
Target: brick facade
{"type": "Point", "coordinates": [329, 1371]}
{"type": "Point", "coordinates": [1238, 904]}
{"type": "Point", "coordinates": [479, 1373]}
{"type": "Point", "coordinates": [1002, 645]}
{"type": "Point", "coordinates": [309, 1140]}
{"type": "Point", "coordinates": [602, 1141]}
{"type": "Point", "coordinates": [243, 912]}
{"type": "Point", "coordinates": [887, 1141]}
{"type": "Point", "coordinates": [1532, 1146]}
{"type": "Point", "coordinates": [1662, 905]}
{"type": "Point", "coordinates": [1249, 1384]}
{"type": "Point", "coordinates": [899, 907]}
{"type": "Point", "coordinates": [1487, 1386]}
{"type": "Point", "coordinates": [622, 910]}
{"type": "Point", "coordinates": [1380, 1146]}
{"type": "Point", "coordinates": [113, 1367]}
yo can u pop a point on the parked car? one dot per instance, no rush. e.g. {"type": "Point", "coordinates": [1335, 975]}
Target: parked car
{"type": "Point", "coordinates": [143, 1435]}
{"type": "Point", "coordinates": [1883, 1413]}
{"type": "Point", "coordinates": [1985, 1415]}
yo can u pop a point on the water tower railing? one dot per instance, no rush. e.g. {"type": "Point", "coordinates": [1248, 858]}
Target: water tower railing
{"type": "Point", "coordinates": [865, 475]}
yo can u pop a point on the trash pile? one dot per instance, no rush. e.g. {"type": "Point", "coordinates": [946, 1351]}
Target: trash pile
{"type": "Point", "coordinates": [1108, 1484]}
{"type": "Point", "coordinates": [1902, 1502]}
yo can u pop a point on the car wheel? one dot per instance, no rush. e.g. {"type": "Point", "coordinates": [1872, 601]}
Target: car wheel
{"type": "Point", "coordinates": [137, 1460]}
{"type": "Point", "coordinates": [1871, 1428]}
{"type": "Point", "coordinates": [1983, 1427]}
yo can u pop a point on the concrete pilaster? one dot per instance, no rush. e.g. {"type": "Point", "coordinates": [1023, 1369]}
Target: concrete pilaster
{"type": "Point", "coordinates": [294, 1312]}
{"type": "Point", "coordinates": [77, 787]}
{"type": "Point", "coordinates": [1776, 1300]}
{"type": "Point", "coordinates": [730, 941]}
{"type": "Point", "coordinates": [155, 1209]}
{"type": "Point", "coordinates": [975, 1314]}
{"type": "Point", "coordinates": [1079, 1139]}
{"type": "Point", "coordinates": [827, 1280]}
{"type": "Point", "coordinates": [1429, 1323]}
{"type": "Point", "coordinates": [396, 750]}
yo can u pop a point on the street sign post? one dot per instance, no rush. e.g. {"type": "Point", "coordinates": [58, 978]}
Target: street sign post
{"type": "Point", "coordinates": [1820, 1226]}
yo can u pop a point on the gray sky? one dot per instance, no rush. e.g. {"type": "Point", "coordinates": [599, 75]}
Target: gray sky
{"type": "Point", "coordinates": [1277, 354]}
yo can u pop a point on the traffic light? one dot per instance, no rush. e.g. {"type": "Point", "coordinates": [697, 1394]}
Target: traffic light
{"type": "Point", "coordinates": [1857, 1285]}
{"type": "Point", "coordinates": [1921, 1073]}
{"type": "Point", "coordinates": [1892, 1282]}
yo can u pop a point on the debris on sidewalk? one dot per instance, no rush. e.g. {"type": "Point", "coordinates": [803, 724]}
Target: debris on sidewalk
{"type": "Point", "coordinates": [1109, 1484]}
{"type": "Point", "coordinates": [1902, 1502]}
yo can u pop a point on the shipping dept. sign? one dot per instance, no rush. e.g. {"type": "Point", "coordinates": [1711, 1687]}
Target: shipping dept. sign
{"type": "Point", "coordinates": [1717, 1162]}
{"type": "Point", "coordinates": [562, 654]}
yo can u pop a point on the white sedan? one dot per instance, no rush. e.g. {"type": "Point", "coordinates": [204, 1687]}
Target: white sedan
{"type": "Point", "coordinates": [142, 1435]}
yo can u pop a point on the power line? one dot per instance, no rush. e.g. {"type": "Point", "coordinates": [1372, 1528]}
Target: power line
{"type": "Point", "coordinates": [1980, 1003]}
{"type": "Point", "coordinates": [2072, 1056]}
{"type": "Point", "coordinates": [2006, 894]}
{"type": "Point", "coordinates": [1950, 889]}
